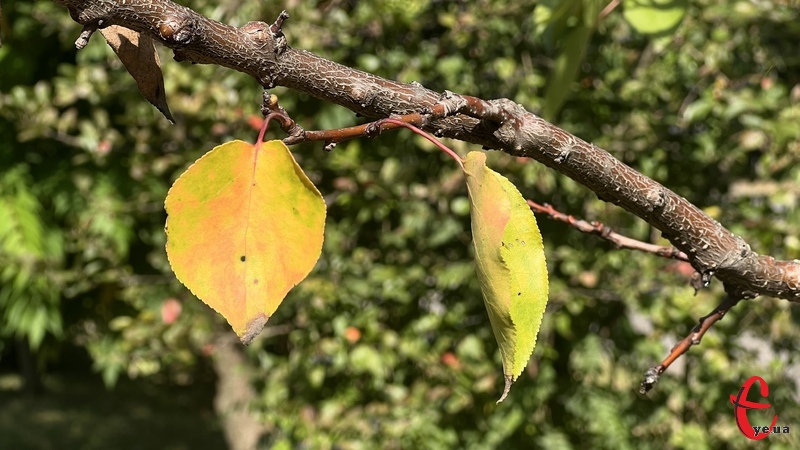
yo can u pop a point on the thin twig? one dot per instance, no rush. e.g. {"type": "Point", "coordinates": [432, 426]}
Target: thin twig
{"type": "Point", "coordinates": [607, 233]}
{"type": "Point", "coordinates": [275, 28]}
{"type": "Point", "coordinates": [448, 105]}
{"type": "Point", "coordinates": [272, 110]}
{"type": "Point", "coordinates": [344, 134]}
{"type": "Point", "coordinates": [607, 10]}
{"type": "Point", "coordinates": [695, 336]}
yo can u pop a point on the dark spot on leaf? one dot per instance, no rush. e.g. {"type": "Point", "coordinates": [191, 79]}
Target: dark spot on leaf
{"type": "Point", "coordinates": [255, 280]}
{"type": "Point", "coordinates": [519, 293]}
{"type": "Point", "coordinates": [242, 258]}
{"type": "Point", "coordinates": [502, 244]}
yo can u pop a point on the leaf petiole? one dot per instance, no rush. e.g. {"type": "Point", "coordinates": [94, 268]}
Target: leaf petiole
{"type": "Point", "coordinates": [427, 136]}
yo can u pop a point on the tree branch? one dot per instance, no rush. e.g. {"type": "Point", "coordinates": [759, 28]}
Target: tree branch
{"type": "Point", "coordinates": [262, 52]}
{"type": "Point", "coordinates": [608, 234]}
{"type": "Point", "coordinates": [653, 374]}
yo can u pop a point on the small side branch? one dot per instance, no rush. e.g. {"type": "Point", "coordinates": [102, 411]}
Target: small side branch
{"type": "Point", "coordinates": [275, 28]}
{"type": "Point", "coordinates": [273, 111]}
{"type": "Point", "coordinates": [598, 229]}
{"type": "Point", "coordinates": [86, 34]}
{"type": "Point", "coordinates": [448, 105]}
{"type": "Point", "coordinates": [706, 322]}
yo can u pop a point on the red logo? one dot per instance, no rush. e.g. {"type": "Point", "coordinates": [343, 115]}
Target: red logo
{"type": "Point", "coordinates": [741, 405]}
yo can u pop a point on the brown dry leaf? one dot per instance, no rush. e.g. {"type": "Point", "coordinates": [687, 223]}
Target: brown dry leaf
{"type": "Point", "coordinates": [138, 53]}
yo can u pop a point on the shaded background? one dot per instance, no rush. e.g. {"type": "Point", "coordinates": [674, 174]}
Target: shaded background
{"type": "Point", "coordinates": [387, 343]}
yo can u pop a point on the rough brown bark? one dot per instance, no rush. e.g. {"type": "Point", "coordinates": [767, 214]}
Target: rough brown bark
{"type": "Point", "coordinates": [255, 50]}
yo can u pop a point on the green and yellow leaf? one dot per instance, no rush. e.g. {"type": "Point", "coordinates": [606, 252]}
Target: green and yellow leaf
{"type": "Point", "coordinates": [510, 260]}
{"type": "Point", "coordinates": [655, 17]}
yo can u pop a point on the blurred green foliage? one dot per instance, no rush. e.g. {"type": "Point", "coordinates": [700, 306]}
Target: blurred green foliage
{"type": "Point", "coordinates": [387, 344]}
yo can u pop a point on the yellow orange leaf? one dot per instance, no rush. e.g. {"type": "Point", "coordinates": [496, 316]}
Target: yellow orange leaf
{"type": "Point", "coordinates": [244, 226]}
{"type": "Point", "coordinates": [509, 254]}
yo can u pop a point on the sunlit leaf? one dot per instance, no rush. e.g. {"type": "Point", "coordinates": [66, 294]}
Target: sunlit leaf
{"type": "Point", "coordinates": [509, 255]}
{"type": "Point", "coordinates": [245, 225]}
{"type": "Point", "coordinates": [654, 17]}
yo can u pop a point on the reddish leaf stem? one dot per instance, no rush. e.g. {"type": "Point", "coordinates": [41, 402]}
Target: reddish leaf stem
{"type": "Point", "coordinates": [424, 134]}
{"type": "Point", "coordinates": [263, 131]}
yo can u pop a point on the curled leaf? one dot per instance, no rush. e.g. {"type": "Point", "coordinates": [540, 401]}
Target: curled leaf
{"type": "Point", "coordinates": [509, 255]}
{"type": "Point", "coordinates": [138, 54]}
{"type": "Point", "coordinates": [244, 226]}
